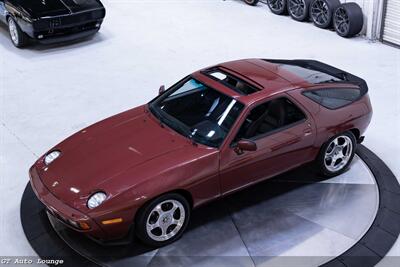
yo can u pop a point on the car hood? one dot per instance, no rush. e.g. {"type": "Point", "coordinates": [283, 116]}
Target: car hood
{"type": "Point", "coordinates": [44, 8]}
{"type": "Point", "coordinates": [94, 156]}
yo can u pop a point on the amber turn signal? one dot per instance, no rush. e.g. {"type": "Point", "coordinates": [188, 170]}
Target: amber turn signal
{"type": "Point", "coordinates": [116, 220]}
{"type": "Point", "coordinates": [84, 225]}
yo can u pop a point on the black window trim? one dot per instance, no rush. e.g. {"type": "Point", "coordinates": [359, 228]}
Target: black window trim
{"type": "Point", "coordinates": [283, 128]}
{"type": "Point", "coordinates": [328, 88]}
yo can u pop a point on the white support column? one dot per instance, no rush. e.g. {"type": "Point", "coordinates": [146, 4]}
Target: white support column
{"type": "Point", "coordinates": [374, 18]}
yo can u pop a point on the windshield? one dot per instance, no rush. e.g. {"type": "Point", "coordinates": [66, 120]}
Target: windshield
{"type": "Point", "coordinates": [197, 111]}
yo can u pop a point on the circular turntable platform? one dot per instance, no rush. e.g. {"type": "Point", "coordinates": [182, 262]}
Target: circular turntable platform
{"type": "Point", "coordinates": [295, 219]}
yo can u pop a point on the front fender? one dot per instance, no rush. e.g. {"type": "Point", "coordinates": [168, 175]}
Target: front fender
{"type": "Point", "coordinates": [21, 17]}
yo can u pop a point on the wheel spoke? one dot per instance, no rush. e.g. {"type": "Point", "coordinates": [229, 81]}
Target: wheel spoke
{"type": "Point", "coordinates": [159, 210]}
{"type": "Point", "coordinates": [166, 226]}
{"type": "Point", "coordinates": [174, 208]}
{"type": "Point", "coordinates": [151, 227]}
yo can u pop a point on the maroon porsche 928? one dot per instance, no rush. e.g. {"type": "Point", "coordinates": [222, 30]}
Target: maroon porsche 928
{"type": "Point", "coordinates": [216, 131]}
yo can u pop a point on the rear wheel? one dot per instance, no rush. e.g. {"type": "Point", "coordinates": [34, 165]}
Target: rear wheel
{"type": "Point", "coordinates": [18, 37]}
{"type": "Point", "coordinates": [278, 7]}
{"type": "Point", "coordinates": [336, 154]}
{"type": "Point", "coordinates": [348, 19]}
{"type": "Point", "coordinates": [251, 2]}
{"type": "Point", "coordinates": [299, 9]}
{"type": "Point", "coordinates": [321, 12]}
{"type": "Point", "coordinates": [163, 220]}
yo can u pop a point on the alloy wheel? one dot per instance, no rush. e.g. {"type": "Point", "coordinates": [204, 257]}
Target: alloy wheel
{"type": "Point", "coordinates": [338, 153]}
{"type": "Point", "coordinates": [320, 12]}
{"type": "Point", "coordinates": [296, 8]}
{"type": "Point", "coordinates": [12, 26]}
{"type": "Point", "coordinates": [276, 5]}
{"type": "Point", "coordinates": [342, 21]}
{"type": "Point", "coordinates": [165, 220]}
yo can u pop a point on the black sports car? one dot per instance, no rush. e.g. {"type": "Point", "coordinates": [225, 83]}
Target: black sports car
{"type": "Point", "coordinates": [50, 21]}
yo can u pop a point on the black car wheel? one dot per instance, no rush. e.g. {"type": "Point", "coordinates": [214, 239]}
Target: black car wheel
{"type": "Point", "coordinates": [348, 19]}
{"type": "Point", "coordinates": [299, 9]}
{"type": "Point", "coordinates": [278, 7]}
{"type": "Point", "coordinates": [18, 37]}
{"type": "Point", "coordinates": [251, 2]}
{"type": "Point", "coordinates": [336, 154]}
{"type": "Point", "coordinates": [321, 12]}
{"type": "Point", "coordinates": [163, 220]}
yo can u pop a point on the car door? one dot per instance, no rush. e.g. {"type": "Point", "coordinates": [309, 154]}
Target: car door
{"type": "Point", "coordinates": [280, 147]}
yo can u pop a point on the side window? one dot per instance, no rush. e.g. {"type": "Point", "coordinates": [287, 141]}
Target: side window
{"type": "Point", "coordinates": [334, 98]}
{"type": "Point", "coordinates": [270, 116]}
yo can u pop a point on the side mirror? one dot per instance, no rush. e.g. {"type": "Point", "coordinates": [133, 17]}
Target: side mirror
{"type": "Point", "coordinates": [245, 145]}
{"type": "Point", "coordinates": [161, 90]}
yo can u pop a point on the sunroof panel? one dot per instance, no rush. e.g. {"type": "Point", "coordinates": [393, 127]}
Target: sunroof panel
{"type": "Point", "coordinates": [231, 81]}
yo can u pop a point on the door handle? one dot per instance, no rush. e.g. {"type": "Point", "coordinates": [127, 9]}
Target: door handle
{"type": "Point", "coordinates": [308, 130]}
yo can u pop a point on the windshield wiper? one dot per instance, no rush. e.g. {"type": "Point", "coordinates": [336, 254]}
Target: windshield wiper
{"type": "Point", "coordinates": [182, 129]}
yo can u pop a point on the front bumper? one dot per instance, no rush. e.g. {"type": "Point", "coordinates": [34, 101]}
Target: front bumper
{"type": "Point", "coordinates": [62, 28]}
{"type": "Point", "coordinates": [62, 212]}
{"type": "Point", "coordinates": [67, 33]}
{"type": "Point", "coordinates": [67, 37]}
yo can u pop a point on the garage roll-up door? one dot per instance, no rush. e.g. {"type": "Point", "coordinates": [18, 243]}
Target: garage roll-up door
{"type": "Point", "coordinates": [391, 28]}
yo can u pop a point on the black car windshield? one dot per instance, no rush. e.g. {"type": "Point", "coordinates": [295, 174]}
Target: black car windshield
{"type": "Point", "coordinates": [197, 111]}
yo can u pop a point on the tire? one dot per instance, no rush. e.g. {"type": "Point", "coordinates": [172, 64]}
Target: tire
{"type": "Point", "coordinates": [251, 2]}
{"type": "Point", "coordinates": [299, 9]}
{"type": "Point", "coordinates": [321, 12]}
{"type": "Point", "coordinates": [333, 160]}
{"type": "Point", "coordinates": [348, 20]}
{"type": "Point", "coordinates": [278, 7]}
{"type": "Point", "coordinates": [160, 218]}
{"type": "Point", "coordinates": [18, 37]}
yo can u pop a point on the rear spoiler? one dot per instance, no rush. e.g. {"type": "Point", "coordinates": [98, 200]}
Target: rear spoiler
{"type": "Point", "coordinates": [322, 67]}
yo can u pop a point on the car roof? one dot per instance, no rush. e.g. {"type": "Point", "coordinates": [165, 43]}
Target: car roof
{"type": "Point", "coordinates": [269, 78]}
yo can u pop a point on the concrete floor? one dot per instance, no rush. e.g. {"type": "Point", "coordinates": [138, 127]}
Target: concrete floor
{"type": "Point", "coordinates": [48, 93]}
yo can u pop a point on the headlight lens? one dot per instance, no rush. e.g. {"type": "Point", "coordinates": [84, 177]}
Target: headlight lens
{"type": "Point", "coordinates": [96, 199]}
{"type": "Point", "coordinates": [51, 157]}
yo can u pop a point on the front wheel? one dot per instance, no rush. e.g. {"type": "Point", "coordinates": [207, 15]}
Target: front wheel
{"type": "Point", "coordinates": [18, 37]}
{"type": "Point", "coordinates": [163, 220]}
{"type": "Point", "coordinates": [336, 154]}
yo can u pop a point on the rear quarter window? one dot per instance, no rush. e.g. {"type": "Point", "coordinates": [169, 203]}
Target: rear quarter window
{"type": "Point", "coordinates": [334, 98]}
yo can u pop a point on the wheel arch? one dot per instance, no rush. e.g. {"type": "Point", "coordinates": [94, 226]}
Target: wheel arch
{"type": "Point", "coordinates": [356, 132]}
{"type": "Point", "coordinates": [186, 194]}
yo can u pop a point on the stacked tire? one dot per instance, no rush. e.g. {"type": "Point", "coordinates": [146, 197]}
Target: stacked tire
{"type": "Point", "coordinates": [346, 19]}
{"type": "Point", "coordinates": [299, 9]}
{"type": "Point", "coordinates": [251, 2]}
